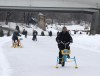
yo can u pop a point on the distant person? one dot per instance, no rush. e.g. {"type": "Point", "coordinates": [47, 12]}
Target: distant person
{"type": "Point", "coordinates": [42, 33]}
{"type": "Point", "coordinates": [15, 37]}
{"type": "Point", "coordinates": [80, 32]}
{"type": "Point", "coordinates": [50, 33]}
{"type": "Point", "coordinates": [87, 32]}
{"type": "Point", "coordinates": [63, 39]}
{"type": "Point", "coordinates": [34, 35]}
{"type": "Point", "coordinates": [1, 33]}
{"type": "Point", "coordinates": [25, 33]}
{"type": "Point", "coordinates": [17, 28]}
{"type": "Point", "coordinates": [75, 31]}
{"type": "Point", "coordinates": [69, 31]}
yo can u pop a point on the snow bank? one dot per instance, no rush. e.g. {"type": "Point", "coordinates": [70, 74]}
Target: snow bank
{"type": "Point", "coordinates": [54, 28]}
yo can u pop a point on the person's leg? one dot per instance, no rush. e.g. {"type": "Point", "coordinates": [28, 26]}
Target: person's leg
{"type": "Point", "coordinates": [17, 41]}
{"type": "Point", "coordinates": [36, 38]}
{"type": "Point", "coordinates": [63, 60]}
{"type": "Point", "coordinates": [25, 36]}
{"type": "Point", "coordinates": [61, 47]}
{"type": "Point", "coordinates": [68, 47]}
{"type": "Point", "coordinates": [60, 57]}
{"type": "Point", "coordinates": [13, 42]}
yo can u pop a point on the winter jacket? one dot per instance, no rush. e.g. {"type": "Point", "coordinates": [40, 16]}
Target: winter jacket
{"type": "Point", "coordinates": [35, 33]}
{"type": "Point", "coordinates": [15, 35]}
{"type": "Point", "coordinates": [64, 38]}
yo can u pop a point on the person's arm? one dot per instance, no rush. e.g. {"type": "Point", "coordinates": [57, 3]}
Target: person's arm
{"type": "Point", "coordinates": [70, 38]}
{"type": "Point", "coordinates": [18, 34]}
{"type": "Point", "coordinates": [58, 39]}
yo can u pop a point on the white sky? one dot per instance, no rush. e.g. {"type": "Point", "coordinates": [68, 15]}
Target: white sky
{"type": "Point", "coordinates": [52, 3]}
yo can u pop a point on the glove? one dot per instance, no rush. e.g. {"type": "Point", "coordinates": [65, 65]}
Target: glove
{"type": "Point", "coordinates": [67, 43]}
{"type": "Point", "coordinates": [58, 41]}
{"type": "Point", "coordinates": [62, 42]}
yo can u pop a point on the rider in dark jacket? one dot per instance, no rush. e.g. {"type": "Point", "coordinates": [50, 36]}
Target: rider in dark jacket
{"type": "Point", "coordinates": [34, 35]}
{"type": "Point", "coordinates": [63, 38]}
{"type": "Point", "coordinates": [15, 36]}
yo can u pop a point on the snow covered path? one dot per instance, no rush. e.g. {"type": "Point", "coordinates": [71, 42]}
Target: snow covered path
{"type": "Point", "coordinates": [39, 58]}
{"type": "Point", "coordinates": [4, 65]}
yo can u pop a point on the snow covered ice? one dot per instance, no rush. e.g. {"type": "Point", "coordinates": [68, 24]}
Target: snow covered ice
{"type": "Point", "coordinates": [38, 58]}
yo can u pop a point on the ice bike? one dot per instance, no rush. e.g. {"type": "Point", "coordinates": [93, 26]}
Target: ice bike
{"type": "Point", "coordinates": [66, 58]}
{"type": "Point", "coordinates": [17, 44]}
